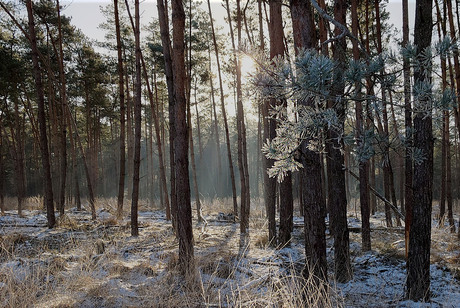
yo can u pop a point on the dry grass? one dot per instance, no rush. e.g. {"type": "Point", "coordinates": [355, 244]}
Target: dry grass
{"type": "Point", "coordinates": [70, 270]}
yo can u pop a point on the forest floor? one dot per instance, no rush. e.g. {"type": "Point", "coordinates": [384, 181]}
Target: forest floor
{"type": "Point", "coordinates": [84, 263]}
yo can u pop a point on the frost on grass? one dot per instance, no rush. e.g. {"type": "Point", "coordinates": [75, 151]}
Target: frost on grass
{"type": "Point", "coordinates": [66, 268]}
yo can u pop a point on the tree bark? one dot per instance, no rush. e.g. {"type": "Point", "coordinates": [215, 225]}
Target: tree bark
{"type": "Point", "coordinates": [62, 120]}
{"type": "Point", "coordinates": [184, 211]}
{"type": "Point", "coordinates": [242, 149]}
{"type": "Point", "coordinates": [364, 198]}
{"type": "Point", "coordinates": [166, 42]}
{"type": "Point", "coordinates": [224, 114]}
{"type": "Point", "coordinates": [121, 95]}
{"type": "Point", "coordinates": [408, 191]}
{"type": "Point", "coordinates": [286, 200]}
{"type": "Point", "coordinates": [418, 262]}
{"type": "Point", "coordinates": [2, 176]}
{"type": "Point", "coordinates": [48, 186]}
{"type": "Point", "coordinates": [192, 158]}
{"type": "Point", "coordinates": [137, 125]}
{"type": "Point", "coordinates": [337, 192]}
{"type": "Point", "coordinates": [313, 203]}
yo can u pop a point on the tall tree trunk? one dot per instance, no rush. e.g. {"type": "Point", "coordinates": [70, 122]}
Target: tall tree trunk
{"type": "Point", "coordinates": [17, 153]}
{"type": "Point", "coordinates": [192, 158]}
{"type": "Point", "coordinates": [418, 262]}
{"type": "Point", "coordinates": [364, 199]}
{"type": "Point", "coordinates": [385, 132]}
{"type": "Point", "coordinates": [215, 126]}
{"type": "Point", "coordinates": [337, 193]}
{"type": "Point", "coordinates": [447, 123]}
{"type": "Point", "coordinates": [121, 94]}
{"type": "Point", "coordinates": [166, 43]}
{"type": "Point", "coordinates": [156, 124]}
{"type": "Point", "coordinates": [160, 143]}
{"type": "Point", "coordinates": [2, 176]}
{"type": "Point", "coordinates": [224, 113]}
{"type": "Point", "coordinates": [408, 191]}
{"type": "Point", "coordinates": [74, 165]}
{"type": "Point", "coordinates": [286, 200]}
{"type": "Point", "coordinates": [242, 152]}
{"type": "Point", "coordinates": [48, 186]}
{"type": "Point", "coordinates": [184, 210]}
{"type": "Point", "coordinates": [62, 120]}
{"type": "Point", "coordinates": [450, 215]}
{"type": "Point", "coordinates": [137, 125]}
{"type": "Point", "coordinates": [442, 32]}
{"type": "Point", "coordinates": [313, 203]}
{"type": "Point", "coordinates": [130, 102]}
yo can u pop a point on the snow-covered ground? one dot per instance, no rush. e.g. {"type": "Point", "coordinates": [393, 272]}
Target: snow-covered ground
{"type": "Point", "coordinates": [98, 264]}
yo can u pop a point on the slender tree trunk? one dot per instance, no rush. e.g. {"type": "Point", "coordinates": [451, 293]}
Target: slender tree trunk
{"type": "Point", "coordinates": [192, 158]}
{"type": "Point", "coordinates": [166, 42]}
{"type": "Point", "coordinates": [311, 176]}
{"type": "Point", "coordinates": [62, 120]}
{"type": "Point", "coordinates": [48, 186]}
{"type": "Point", "coordinates": [364, 199]}
{"type": "Point", "coordinates": [160, 143]}
{"type": "Point", "coordinates": [184, 210]}
{"type": "Point", "coordinates": [286, 199]}
{"type": "Point", "coordinates": [450, 215]}
{"type": "Point", "coordinates": [216, 125]}
{"type": "Point", "coordinates": [74, 165]}
{"type": "Point", "coordinates": [130, 102]}
{"type": "Point", "coordinates": [242, 151]}
{"type": "Point", "coordinates": [17, 153]}
{"type": "Point", "coordinates": [408, 191]}
{"type": "Point", "coordinates": [137, 125]}
{"type": "Point", "coordinates": [121, 94]}
{"type": "Point", "coordinates": [269, 134]}
{"type": "Point", "coordinates": [387, 180]}
{"type": "Point", "coordinates": [337, 193]}
{"type": "Point", "coordinates": [156, 124]}
{"type": "Point", "coordinates": [2, 176]}
{"type": "Point", "coordinates": [224, 114]}
{"type": "Point", "coordinates": [418, 262]}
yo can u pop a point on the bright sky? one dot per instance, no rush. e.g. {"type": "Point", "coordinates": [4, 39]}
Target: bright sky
{"type": "Point", "coordinates": [87, 16]}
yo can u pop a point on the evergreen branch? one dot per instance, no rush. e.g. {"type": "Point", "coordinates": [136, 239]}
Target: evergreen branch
{"type": "Point", "coordinates": [345, 31]}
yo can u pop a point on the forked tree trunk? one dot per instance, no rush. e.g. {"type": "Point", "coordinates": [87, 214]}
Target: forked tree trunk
{"type": "Point", "coordinates": [48, 186]}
